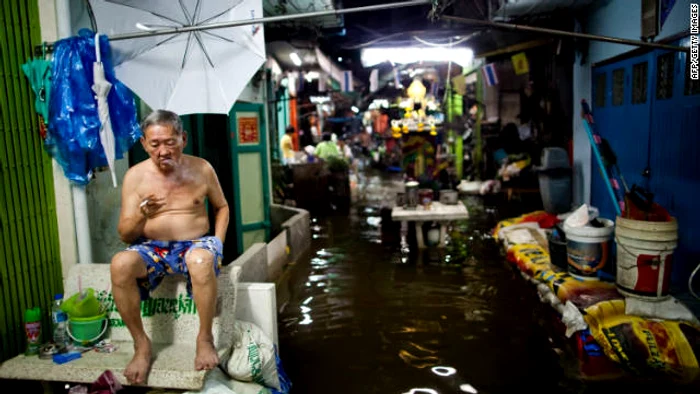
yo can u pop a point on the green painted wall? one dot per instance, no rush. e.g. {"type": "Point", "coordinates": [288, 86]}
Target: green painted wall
{"type": "Point", "coordinates": [250, 178]}
{"type": "Point", "coordinates": [30, 267]}
{"type": "Point", "coordinates": [251, 202]}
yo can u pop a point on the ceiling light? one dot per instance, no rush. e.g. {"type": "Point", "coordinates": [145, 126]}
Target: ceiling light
{"type": "Point", "coordinates": [319, 99]}
{"type": "Point", "coordinates": [295, 58]}
{"type": "Point", "coordinates": [340, 59]}
{"type": "Point", "coordinates": [355, 109]}
{"type": "Point", "coordinates": [460, 55]}
{"type": "Point", "coordinates": [311, 75]}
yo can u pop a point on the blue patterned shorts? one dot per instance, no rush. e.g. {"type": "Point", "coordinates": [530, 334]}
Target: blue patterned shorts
{"type": "Point", "coordinates": [164, 258]}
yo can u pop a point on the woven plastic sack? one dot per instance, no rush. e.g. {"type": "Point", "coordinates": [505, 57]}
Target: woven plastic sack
{"type": "Point", "coordinates": [253, 358]}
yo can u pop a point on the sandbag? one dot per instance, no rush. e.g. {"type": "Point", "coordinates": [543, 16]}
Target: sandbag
{"type": "Point", "coordinates": [650, 348]}
{"type": "Point", "coordinates": [582, 293]}
{"type": "Point", "coordinates": [542, 218]}
{"type": "Point", "coordinates": [219, 383]}
{"type": "Point", "coordinates": [253, 357]}
{"type": "Point", "coordinates": [530, 259]}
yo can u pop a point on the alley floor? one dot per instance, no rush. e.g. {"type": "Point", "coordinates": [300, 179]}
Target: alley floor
{"type": "Point", "coordinates": [365, 313]}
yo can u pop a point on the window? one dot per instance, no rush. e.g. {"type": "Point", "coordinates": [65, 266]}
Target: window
{"type": "Point", "coordinates": [639, 83]}
{"type": "Point", "coordinates": [664, 76]}
{"type": "Point", "coordinates": [618, 86]}
{"type": "Point", "coordinates": [600, 90]}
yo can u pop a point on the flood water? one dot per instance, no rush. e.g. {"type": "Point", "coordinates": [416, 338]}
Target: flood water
{"type": "Point", "coordinates": [367, 313]}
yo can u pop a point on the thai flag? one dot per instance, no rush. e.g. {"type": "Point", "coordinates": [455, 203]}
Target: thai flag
{"type": "Point", "coordinates": [490, 76]}
{"type": "Point", "coordinates": [374, 81]}
{"type": "Point", "coordinates": [397, 78]}
{"type": "Point", "coordinates": [346, 83]}
{"type": "Point", "coordinates": [322, 83]}
{"type": "Point", "coordinates": [434, 88]}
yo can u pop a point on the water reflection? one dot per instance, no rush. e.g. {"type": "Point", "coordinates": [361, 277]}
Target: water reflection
{"type": "Point", "coordinates": [468, 388]}
{"type": "Point", "coordinates": [443, 371]}
{"type": "Point", "coordinates": [307, 320]}
{"type": "Point", "coordinates": [374, 221]}
{"type": "Point", "coordinates": [421, 391]}
{"type": "Point", "coordinates": [367, 309]}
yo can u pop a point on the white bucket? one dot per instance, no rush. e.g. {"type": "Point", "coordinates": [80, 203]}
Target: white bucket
{"type": "Point", "coordinates": [644, 253]}
{"type": "Point", "coordinates": [588, 248]}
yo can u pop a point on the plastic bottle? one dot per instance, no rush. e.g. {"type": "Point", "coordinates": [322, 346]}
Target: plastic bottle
{"type": "Point", "coordinates": [32, 327]}
{"type": "Point", "coordinates": [59, 321]}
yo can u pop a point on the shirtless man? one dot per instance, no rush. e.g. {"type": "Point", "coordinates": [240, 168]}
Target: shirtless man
{"type": "Point", "coordinates": [163, 218]}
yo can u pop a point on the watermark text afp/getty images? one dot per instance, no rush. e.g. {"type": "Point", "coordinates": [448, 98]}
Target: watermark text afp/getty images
{"type": "Point", "coordinates": [694, 73]}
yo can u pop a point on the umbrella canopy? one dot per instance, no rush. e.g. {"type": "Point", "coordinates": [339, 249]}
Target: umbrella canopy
{"type": "Point", "coordinates": [192, 72]}
{"type": "Point", "coordinates": [101, 88]}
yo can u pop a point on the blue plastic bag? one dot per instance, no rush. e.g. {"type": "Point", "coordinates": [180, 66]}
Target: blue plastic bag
{"type": "Point", "coordinates": [73, 138]}
{"type": "Point", "coordinates": [285, 382]}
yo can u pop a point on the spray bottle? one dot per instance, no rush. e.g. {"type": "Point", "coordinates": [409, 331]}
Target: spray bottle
{"type": "Point", "coordinates": [32, 327]}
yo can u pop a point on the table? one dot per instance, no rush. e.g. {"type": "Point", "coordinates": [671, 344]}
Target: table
{"type": "Point", "coordinates": [437, 212]}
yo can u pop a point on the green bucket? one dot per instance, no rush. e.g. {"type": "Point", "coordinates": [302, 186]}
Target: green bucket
{"type": "Point", "coordinates": [87, 331]}
{"type": "Point", "coordinates": [82, 304]}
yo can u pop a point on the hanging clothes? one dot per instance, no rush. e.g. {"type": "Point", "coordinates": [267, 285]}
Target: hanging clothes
{"type": "Point", "coordinates": [38, 71]}
{"type": "Point", "coordinates": [73, 137]}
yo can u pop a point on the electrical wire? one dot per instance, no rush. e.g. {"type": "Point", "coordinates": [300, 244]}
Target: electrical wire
{"type": "Point", "coordinates": [91, 14]}
{"type": "Point", "coordinates": [447, 45]}
{"type": "Point", "coordinates": [386, 37]}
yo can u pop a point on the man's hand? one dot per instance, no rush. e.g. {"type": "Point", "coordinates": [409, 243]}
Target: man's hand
{"type": "Point", "coordinates": [151, 204]}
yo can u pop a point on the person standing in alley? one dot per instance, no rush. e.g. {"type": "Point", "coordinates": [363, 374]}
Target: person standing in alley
{"type": "Point", "coordinates": [287, 146]}
{"type": "Point", "coordinates": [164, 219]}
{"type": "Point", "coordinates": [327, 148]}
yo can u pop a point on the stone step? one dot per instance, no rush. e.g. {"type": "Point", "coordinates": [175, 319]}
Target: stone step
{"type": "Point", "coordinates": [173, 367]}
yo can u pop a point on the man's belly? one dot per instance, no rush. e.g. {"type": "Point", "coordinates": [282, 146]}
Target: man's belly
{"type": "Point", "coordinates": [176, 227]}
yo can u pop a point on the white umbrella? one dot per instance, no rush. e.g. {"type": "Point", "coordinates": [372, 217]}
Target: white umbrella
{"type": "Point", "coordinates": [101, 87]}
{"type": "Point", "coordinates": [191, 72]}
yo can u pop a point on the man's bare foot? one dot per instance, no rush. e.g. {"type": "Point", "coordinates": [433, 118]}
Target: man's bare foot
{"type": "Point", "coordinates": [206, 357]}
{"type": "Point", "coordinates": [137, 370]}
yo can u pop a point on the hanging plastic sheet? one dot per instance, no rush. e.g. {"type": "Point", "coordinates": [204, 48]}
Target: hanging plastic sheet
{"type": "Point", "coordinates": [74, 123]}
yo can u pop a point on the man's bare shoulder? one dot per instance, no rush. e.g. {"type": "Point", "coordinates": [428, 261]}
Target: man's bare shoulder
{"type": "Point", "coordinates": [198, 163]}
{"type": "Point", "coordinates": [136, 173]}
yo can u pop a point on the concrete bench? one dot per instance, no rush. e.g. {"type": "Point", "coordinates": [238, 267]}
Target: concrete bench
{"type": "Point", "coordinates": [171, 321]}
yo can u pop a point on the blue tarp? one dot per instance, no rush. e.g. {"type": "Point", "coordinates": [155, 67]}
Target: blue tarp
{"type": "Point", "coordinates": [73, 138]}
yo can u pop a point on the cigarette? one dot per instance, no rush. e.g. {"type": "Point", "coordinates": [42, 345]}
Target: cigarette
{"type": "Point", "coordinates": [143, 203]}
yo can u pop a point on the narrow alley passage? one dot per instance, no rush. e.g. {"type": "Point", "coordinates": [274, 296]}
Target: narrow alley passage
{"type": "Point", "coordinates": [365, 316]}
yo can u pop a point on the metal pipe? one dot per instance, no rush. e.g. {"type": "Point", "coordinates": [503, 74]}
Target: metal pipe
{"type": "Point", "coordinates": [594, 37]}
{"type": "Point", "coordinates": [269, 19]}
{"type": "Point", "coordinates": [80, 205]}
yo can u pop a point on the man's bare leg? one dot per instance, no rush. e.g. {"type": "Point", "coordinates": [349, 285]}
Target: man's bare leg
{"type": "Point", "coordinates": [126, 267]}
{"type": "Point", "coordinates": [200, 264]}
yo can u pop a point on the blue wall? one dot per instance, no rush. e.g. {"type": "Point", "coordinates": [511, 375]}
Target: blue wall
{"type": "Point", "coordinates": [616, 18]}
{"type": "Point", "coordinates": [663, 133]}
{"type": "Point", "coordinates": [671, 125]}
{"type": "Point", "coordinates": [622, 19]}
